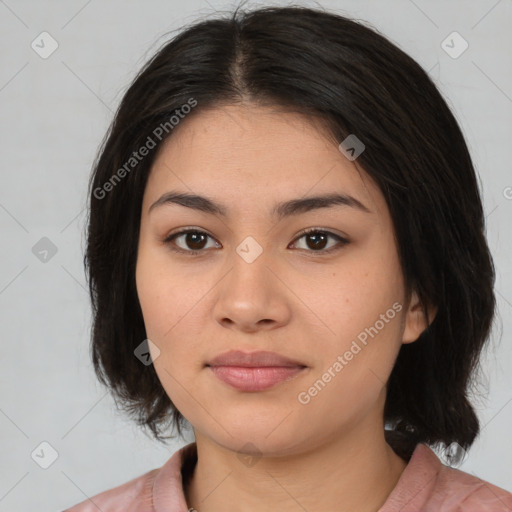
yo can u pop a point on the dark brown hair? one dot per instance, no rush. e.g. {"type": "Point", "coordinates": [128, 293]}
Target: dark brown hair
{"type": "Point", "coordinates": [356, 81]}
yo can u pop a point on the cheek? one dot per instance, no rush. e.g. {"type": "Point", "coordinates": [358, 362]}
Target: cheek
{"type": "Point", "coordinates": [363, 310]}
{"type": "Point", "coordinates": [171, 302]}
{"type": "Point", "coordinates": [355, 299]}
{"type": "Point", "coordinates": [161, 292]}
{"type": "Point", "coordinates": [168, 317]}
{"type": "Point", "coordinates": [351, 379]}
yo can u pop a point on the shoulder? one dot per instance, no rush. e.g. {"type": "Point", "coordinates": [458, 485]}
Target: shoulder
{"type": "Point", "coordinates": [160, 488]}
{"type": "Point", "coordinates": [469, 493]}
{"type": "Point", "coordinates": [128, 497]}
{"type": "Point", "coordinates": [427, 485]}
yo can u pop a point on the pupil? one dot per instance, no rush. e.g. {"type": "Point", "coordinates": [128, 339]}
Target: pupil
{"type": "Point", "coordinates": [318, 236]}
{"type": "Point", "coordinates": [193, 235]}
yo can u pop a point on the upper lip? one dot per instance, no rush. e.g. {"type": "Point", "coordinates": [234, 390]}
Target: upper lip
{"type": "Point", "coordinates": [252, 359]}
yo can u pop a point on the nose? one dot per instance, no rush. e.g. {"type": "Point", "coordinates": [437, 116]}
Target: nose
{"type": "Point", "coordinates": [252, 296]}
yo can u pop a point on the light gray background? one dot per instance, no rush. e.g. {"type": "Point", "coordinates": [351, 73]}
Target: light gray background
{"type": "Point", "coordinates": [54, 113]}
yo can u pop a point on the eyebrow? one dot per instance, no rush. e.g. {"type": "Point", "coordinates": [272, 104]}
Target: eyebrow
{"type": "Point", "coordinates": [279, 211]}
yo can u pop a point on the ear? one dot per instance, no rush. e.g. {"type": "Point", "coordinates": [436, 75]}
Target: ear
{"type": "Point", "coordinates": [415, 319]}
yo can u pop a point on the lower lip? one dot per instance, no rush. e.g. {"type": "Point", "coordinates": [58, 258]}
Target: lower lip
{"type": "Point", "coordinates": [255, 379]}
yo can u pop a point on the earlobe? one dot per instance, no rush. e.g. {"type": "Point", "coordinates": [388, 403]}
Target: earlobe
{"type": "Point", "coordinates": [415, 319]}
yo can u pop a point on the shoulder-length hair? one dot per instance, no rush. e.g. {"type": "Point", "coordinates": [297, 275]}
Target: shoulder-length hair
{"type": "Point", "coordinates": [355, 81]}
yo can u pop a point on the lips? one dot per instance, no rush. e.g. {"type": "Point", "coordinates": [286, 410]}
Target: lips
{"type": "Point", "coordinates": [255, 371]}
{"type": "Point", "coordinates": [253, 360]}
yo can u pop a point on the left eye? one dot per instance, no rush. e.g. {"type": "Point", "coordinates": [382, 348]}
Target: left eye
{"type": "Point", "coordinates": [195, 240]}
{"type": "Point", "coordinates": [319, 237]}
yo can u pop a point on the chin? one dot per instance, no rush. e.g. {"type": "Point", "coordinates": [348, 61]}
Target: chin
{"type": "Point", "coordinates": [262, 439]}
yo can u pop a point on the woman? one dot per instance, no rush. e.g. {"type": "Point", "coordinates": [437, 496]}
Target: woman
{"type": "Point", "coordinates": [286, 251]}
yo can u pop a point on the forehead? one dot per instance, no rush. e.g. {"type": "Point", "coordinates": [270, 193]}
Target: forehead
{"type": "Point", "coordinates": [250, 154]}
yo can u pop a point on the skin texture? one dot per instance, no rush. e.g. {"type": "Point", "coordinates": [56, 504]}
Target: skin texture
{"type": "Point", "coordinates": [328, 454]}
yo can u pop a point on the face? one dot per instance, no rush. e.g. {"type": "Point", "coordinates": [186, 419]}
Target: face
{"type": "Point", "coordinates": [332, 301]}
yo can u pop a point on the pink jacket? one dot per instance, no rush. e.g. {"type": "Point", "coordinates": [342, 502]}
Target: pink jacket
{"type": "Point", "coordinates": [426, 485]}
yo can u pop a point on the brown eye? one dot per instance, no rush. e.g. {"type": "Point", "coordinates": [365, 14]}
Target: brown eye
{"type": "Point", "coordinates": [193, 241]}
{"type": "Point", "coordinates": [317, 240]}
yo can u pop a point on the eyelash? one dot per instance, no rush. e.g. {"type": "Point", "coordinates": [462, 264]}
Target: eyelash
{"type": "Point", "coordinates": [191, 252]}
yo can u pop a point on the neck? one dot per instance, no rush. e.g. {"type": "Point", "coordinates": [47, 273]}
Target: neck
{"type": "Point", "coordinates": [354, 472]}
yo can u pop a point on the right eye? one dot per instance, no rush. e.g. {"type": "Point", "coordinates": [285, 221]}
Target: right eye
{"type": "Point", "coordinates": [193, 238]}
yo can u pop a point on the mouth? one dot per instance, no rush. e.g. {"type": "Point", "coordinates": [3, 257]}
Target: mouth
{"type": "Point", "coordinates": [256, 371]}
